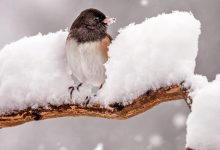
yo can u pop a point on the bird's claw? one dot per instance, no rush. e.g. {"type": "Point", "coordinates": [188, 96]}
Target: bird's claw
{"type": "Point", "coordinates": [101, 86]}
{"type": "Point", "coordinates": [78, 86]}
{"type": "Point", "coordinates": [71, 89]}
{"type": "Point", "coordinates": [86, 101]}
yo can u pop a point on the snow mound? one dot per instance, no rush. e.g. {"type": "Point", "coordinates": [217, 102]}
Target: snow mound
{"type": "Point", "coordinates": [159, 52]}
{"type": "Point", "coordinates": [203, 125]}
{"type": "Point", "coordinates": [33, 72]}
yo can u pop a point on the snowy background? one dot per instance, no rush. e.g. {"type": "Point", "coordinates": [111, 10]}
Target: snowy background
{"type": "Point", "coordinates": [160, 128]}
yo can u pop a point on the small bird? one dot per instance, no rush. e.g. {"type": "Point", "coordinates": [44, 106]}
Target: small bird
{"type": "Point", "coordinates": [87, 48]}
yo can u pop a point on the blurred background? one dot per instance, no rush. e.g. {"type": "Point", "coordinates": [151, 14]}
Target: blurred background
{"type": "Point", "coordinates": [162, 128]}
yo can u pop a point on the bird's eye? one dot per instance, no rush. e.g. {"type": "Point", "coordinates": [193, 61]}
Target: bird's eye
{"type": "Point", "coordinates": [96, 18]}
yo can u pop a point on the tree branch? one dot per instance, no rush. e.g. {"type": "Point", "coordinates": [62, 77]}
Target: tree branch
{"type": "Point", "coordinates": [118, 111]}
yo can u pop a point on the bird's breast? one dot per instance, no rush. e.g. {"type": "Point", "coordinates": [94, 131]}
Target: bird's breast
{"type": "Point", "coordinates": [86, 61]}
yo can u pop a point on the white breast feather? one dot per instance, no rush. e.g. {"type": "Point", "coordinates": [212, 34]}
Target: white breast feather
{"type": "Point", "coordinates": [86, 62]}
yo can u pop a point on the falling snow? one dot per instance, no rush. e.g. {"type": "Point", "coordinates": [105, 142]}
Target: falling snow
{"type": "Point", "coordinates": [179, 120]}
{"type": "Point", "coordinates": [99, 146]}
{"type": "Point", "coordinates": [144, 2]}
{"type": "Point", "coordinates": [155, 141]}
{"type": "Point", "coordinates": [138, 138]}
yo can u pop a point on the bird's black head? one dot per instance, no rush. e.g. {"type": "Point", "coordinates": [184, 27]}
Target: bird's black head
{"type": "Point", "coordinates": [90, 25]}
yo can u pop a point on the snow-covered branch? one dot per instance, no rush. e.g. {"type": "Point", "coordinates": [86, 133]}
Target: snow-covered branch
{"type": "Point", "coordinates": [151, 56]}
{"type": "Point", "coordinates": [116, 110]}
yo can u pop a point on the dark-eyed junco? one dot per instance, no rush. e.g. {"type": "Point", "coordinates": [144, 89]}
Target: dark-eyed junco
{"type": "Point", "coordinates": [87, 47]}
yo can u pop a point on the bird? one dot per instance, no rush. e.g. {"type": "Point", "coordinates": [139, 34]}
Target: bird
{"type": "Point", "coordinates": [87, 48]}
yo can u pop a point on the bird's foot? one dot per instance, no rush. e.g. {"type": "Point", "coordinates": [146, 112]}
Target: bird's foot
{"type": "Point", "coordinates": [86, 101]}
{"type": "Point", "coordinates": [101, 86]}
{"type": "Point", "coordinates": [78, 86]}
{"type": "Point", "coordinates": [71, 89]}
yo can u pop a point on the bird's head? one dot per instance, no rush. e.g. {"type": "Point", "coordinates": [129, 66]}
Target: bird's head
{"type": "Point", "coordinates": [92, 23]}
{"type": "Point", "coordinates": [93, 18]}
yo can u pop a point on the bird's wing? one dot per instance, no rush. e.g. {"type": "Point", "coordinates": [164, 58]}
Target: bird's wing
{"type": "Point", "coordinates": [105, 42]}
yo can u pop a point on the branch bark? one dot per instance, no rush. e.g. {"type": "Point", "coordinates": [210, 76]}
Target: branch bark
{"type": "Point", "coordinates": [118, 111]}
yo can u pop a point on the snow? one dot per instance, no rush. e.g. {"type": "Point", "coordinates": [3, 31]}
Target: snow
{"type": "Point", "coordinates": [41, 147]}
{"type": "Point", "coordinates": [179, 120]}
{"type": "Point", "coordinates": [138, 138]}
{"type": "Point", "coordinates": [99, 146]}
{"type": "Point", "coordinates": [155, 141]}
{"type": "Point", "coordinates": [158, 52]}
{"type": "Point", "coordinates": [195, 83]}
{"type": "Point", "coordinates": [203, 124]}
{"type": "Point", "coordinates": [63, 148]}
{"type": "Point", "coordinates": [144, 2]}
{"type": "Point", "coordinates": [33, 72]}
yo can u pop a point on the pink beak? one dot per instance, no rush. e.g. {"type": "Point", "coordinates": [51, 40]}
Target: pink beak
{"type": "Point", "coordinates": [109, 20]}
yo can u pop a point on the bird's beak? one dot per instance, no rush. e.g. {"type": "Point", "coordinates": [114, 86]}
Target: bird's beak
{"type": "Point", "coordinates": [109, 20]}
